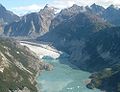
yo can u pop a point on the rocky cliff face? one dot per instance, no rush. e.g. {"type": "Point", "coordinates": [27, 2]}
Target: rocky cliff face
{"type": "Point", "coordinates": [31, 25]}
{"type": "Point", "coordinates": [18, 67]}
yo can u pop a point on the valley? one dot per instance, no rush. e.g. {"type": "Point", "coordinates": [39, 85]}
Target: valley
{"type": "Point", "coordinates": [74, 50]}
{"type": "Point", "coordinates": [61, 78]}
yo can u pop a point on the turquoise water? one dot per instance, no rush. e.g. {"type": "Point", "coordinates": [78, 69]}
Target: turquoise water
{"type": "Point", "coordinates": [63, 78]}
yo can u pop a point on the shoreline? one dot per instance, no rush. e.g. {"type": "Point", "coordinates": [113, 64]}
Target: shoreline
{"type": "Point", "coordinates": [49, 68]}
{"type": "Point", "coordinates": [36, 48]}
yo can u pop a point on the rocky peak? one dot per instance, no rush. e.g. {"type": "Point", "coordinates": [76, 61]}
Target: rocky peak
{"type": "Point", "coordinates": [47, 10]}
{"type": "Point", "coordinates": [2, 8]}
{"type": "Point", "coordinates": [111, 7]}
{"type": "Point", "coordinates": [94, 5]}
{"type": "Point", "coordinates": [96, 8]}
{"type": "Point", "coordinates": [75, 9]}
{"type": "Point", "coordinates": [75, 6]}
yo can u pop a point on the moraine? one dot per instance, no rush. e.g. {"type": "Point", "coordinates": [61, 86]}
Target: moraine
{"type": "Point", "coordinates": [65, 77]}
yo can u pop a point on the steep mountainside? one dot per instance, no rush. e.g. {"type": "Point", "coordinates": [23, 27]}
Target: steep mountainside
{"type": "Point", "coordinates": [7, 16]}
{"type": "Point", "coordinates": [18, 67]}
{"type": "Point", "coordinates": [102, 49]}
{"type": "Point", "coordinates": [107, 80]}
{"type": "Point", "coordinates": [32, 25]}
{"type": "Point", "coordinates": [78, 27]}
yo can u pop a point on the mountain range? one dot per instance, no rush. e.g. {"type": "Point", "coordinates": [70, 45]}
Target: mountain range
{"type": "Point", "coordinates": [90, 35]}
{"type": "Point", "coordinates": [38, 23]}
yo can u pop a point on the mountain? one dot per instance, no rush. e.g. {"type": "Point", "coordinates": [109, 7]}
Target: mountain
{"type": "Point", "coordinates": [75, 28]}
{"type": "Point", "coordinates": [65, 14]}
{"type": "Point", "coordinates": [31, 25]}
{"type": "Point", "coordinates": [103, 49]}
{"type": "Point", "coordinates": [90, 35]}
{"type": "Point", "coordinates": [92, 43]}
{"type": "Point", "coordinates": [7, 16]}
{"type": "Point", "coordinates": [92, 48]}
{"type": "Point", "coordinates": [104, 57]}
{"type": "Point", "coordinates": [18, 67]}
{"type": "Point", "coordinates": [111, 14]}
{"type": "Point", "coordinates": [37, 24]}
{"type": "Point", "coordinates": [70, 36]}
{"type": "Point", "coordinates": [97, 9]}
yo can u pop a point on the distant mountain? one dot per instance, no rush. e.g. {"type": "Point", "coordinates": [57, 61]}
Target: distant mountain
{"type": "Point", "coordinates": [7, 16]}
{"type": "Point", "coordinates": [110, 14]}
{"type": "Point", "coordinates": [97, 9]}
{"type": "Point", "coordinates": [67, 13]}
{"type": "Point", "coordinates": [31, 25]}
{"type": "Point", "coordinates": [36, 24]}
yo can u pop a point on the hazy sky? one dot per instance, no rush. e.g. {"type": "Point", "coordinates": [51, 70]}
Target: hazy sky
{"type": "Point", "coordinates": [25, 6]}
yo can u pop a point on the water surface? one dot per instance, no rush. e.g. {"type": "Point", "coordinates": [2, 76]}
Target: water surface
{"type": "Point", "coordinates": [63, 78]}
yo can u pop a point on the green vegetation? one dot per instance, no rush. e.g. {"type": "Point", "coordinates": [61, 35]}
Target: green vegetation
{"type": "Point", "coordinates": [107, 79]}
{"type": "Point", "coordinates": [14, 76]}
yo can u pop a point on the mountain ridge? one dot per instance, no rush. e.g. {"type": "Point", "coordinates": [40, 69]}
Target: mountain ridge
{"type": "Point", "coordinates": [33, 24]}
{"type": "Point", "coordinates": [47, 20]}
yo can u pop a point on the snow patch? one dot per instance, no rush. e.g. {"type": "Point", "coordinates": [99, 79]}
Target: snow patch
{"type": "Point", "coordinates": [1, 69]}
{"type": "Point", "coordinates": [42, 50]}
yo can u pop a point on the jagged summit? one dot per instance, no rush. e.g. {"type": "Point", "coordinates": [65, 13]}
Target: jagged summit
{"type": "Point", "coordinates": [46, 6]}
{"type": "Point", "coordinates": [47, 9]}
{"type": "Point", "coordinates": [112, 7]}
{"type": "Point", "coordinates": [75, 5]}
{"type": "Point", "coordinates": [97, 8]}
